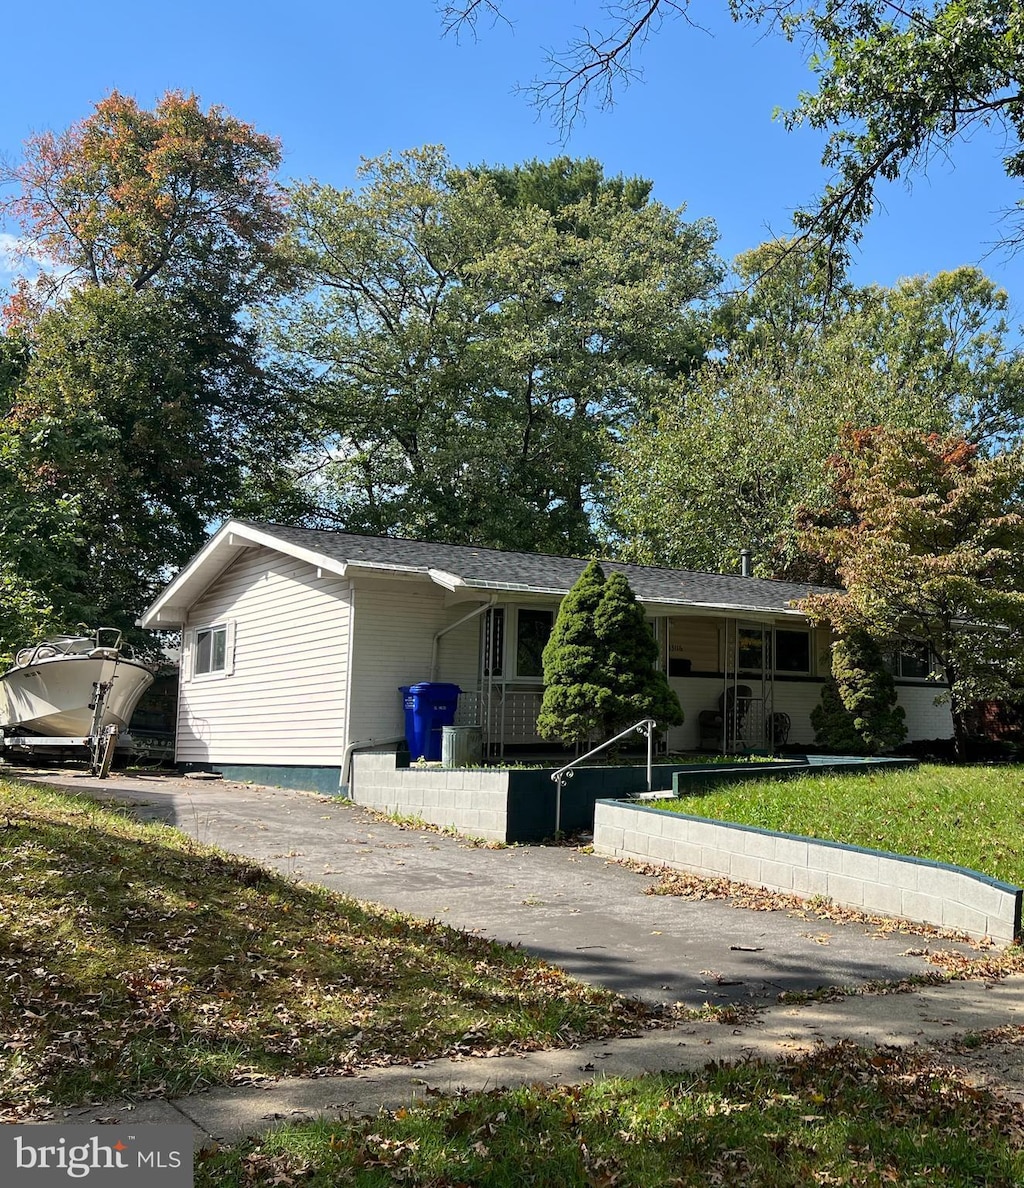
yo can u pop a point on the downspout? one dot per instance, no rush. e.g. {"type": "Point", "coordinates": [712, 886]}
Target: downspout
{"type": "Point", "coordinates": [346, 758]}
{"type": "Point", "coordinates": [434, 647]}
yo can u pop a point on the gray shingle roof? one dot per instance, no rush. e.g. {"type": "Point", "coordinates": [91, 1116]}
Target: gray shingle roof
{"type": "Point", "coordinates": [495, 569]}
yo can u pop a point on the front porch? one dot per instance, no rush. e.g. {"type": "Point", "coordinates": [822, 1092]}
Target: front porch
{"type": "Point", "coordinates": [743, 685]}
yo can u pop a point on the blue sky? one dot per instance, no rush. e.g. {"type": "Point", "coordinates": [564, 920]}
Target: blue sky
{"type": "Point", "coordinates": [336, 81]}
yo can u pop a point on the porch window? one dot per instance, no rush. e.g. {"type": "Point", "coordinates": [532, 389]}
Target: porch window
{"type": "Point", "coordinates": [533, 629]}
{"type": "Point", "coordinates": [524, 655]}
{"type": "Point", "coordinates": [793, 651]}
{"type": "Point", "coordinates": [750, 649]}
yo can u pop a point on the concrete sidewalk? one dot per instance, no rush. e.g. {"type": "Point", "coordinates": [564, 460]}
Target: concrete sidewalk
{"type": "Point", "coordinates": [581, 912]}
{"type": "Point", "coordinates": [928, 1017]}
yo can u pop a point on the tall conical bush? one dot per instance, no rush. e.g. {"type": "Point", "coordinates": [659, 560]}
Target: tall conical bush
{"type": "Point", "coordinates": [639, 689]}
{"type": "Point", "coordinates": [574, 690]}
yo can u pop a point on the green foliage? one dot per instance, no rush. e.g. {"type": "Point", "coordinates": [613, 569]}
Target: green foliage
{"type": "Point", "coordinates": [858, 714]}
{"type": "Point", "coordinates": [24, 613]}
{"type": "Point", "coordinates": [600, 671]}
{"type": "Point", "coordinates": [833, 723]}
{"type": "Point", "coordinates": [728, 456]}
{"type": "Point", "coordinates": [476, 339]}
{"type": "Point", "coordinates": [898, 87]}
{"type": "Point", "coordinates": [137, 406]}
{"type": "Point", "coordinates": [563, 184]}
{"type": "Point", "coordinates": [639, 689]}
{"type": "Point", "coordinates": [576, 694]}
{"type": "Point", "coordinates": [131, 429]}
{"type": "Point", "coordinates": [927, 536]}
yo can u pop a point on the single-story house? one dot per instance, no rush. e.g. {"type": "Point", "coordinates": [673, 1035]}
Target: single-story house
{"type": "Point", "coordinates": [295, 643]}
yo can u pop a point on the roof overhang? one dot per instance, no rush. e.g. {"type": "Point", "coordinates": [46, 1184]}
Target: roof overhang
{"type": "Point", "coordinates": [171, 608]}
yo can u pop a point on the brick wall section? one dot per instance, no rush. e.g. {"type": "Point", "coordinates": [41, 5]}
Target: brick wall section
{"type": "Point", "coordinates": [473, 802]}
{"type": "Point", "coordinates": [870, 880]}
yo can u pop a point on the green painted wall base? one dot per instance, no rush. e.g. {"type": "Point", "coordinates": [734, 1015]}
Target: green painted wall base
{"type": "Point", "coordinates": [276, 775]}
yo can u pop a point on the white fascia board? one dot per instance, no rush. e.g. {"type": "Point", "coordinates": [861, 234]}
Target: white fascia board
{"type": "Point", "coordinates": [251, 536]}
{"type": "Point", "coordinates": [218, 549]}
{"type": "Point", "coordinates": [170, 608]}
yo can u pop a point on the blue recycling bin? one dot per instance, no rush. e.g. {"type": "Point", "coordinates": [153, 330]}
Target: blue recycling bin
{"type": "Point", "coordinates": [428, 706]}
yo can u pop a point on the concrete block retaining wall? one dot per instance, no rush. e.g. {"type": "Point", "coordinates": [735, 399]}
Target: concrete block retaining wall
{"type": "Point", "coordinates": [509, 805]}
{"type": "Point", "coordinates": [869, 880]}
{"type": "Point", "coordinates": [472, 802]}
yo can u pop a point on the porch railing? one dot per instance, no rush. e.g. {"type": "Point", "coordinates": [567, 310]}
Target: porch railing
{"type": "Point", "coordinates": [644, 726]}
{"type": "Point", "coordinates": [507, 717]}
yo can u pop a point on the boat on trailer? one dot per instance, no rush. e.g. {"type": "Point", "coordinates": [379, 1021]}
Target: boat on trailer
{"type": "Point", "coordinates": [72, 692]}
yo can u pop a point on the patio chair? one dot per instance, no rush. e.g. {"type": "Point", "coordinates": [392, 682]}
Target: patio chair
{"type": "Point", "coordinates": [777, 729]}
{"type": "Point", "coordinates": [718, 728]}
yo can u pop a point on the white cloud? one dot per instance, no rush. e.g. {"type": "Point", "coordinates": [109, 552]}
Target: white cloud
{"type": "Point", "coordinates": [10, 254]}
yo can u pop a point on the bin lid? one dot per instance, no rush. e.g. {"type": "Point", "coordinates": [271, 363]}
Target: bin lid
{"type": "Point", "coordinates": [433, 689]}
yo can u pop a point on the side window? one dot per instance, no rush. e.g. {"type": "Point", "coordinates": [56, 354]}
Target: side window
{"type": "Point", "coordinates": [212, 650]}
{"type": "Point", "coordinates": [533, 628]}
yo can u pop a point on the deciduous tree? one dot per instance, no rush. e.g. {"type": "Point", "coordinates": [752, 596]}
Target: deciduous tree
{"type": "Point", "coordinates": [927, 536]}
{"type": "Point", "coordinates": [176, 197]}
{"type": "Point", "coordinates": [724, 460]}
{"type": "Point", "coordinates": [140, 404]}
{"type": "Point", "coordinates": [473, 354]}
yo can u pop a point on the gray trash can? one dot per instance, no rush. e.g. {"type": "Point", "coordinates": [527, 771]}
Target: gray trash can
{"type": "Point", "coordinates": [460, 746]}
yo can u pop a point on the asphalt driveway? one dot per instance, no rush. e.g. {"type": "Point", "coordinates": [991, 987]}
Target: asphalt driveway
{"type": "Point", "coordinates": [579, 911]}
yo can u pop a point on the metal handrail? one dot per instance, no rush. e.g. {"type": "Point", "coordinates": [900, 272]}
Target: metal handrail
{"type": "Point", "coordinates": [644, 726]}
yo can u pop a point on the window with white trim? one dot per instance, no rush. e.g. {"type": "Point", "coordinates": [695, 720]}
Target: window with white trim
{"type": "Point", "coordinates": [533, 629]}
{"type": "Point", "coordinates": [522, 656]}
{"type": "Point", "coordinates": [912, 660]}
{"type": "Point", "coordinates": [211, 650]}
{"type": "Point", "coordinates": [792, 650]}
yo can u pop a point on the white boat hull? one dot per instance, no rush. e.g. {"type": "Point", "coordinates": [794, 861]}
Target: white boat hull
{"type": "Point", "coordinates": [52, 696]}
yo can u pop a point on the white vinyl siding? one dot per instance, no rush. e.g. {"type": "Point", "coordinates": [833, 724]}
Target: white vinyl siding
{"type": "Point", "coordinates": [283, 698]}
{"type": "Point", "coordinates": [925, 719]}
{"type": "Point", "coordinates": [395, 624]}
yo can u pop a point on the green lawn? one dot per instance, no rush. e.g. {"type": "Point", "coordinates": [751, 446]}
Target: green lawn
{"type": "Point", "coordinates": [839, 1116]}
{"type": "Point", "coordinates": [134, 960]}
{"type": "Point", "coordinates": [966, 816]}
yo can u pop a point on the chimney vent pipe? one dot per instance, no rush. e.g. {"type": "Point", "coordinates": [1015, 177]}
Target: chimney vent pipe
{"type": "Point", "coordinates": [746, 556]}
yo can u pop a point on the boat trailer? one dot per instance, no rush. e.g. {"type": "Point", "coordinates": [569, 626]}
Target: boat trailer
{"type": "Point", "coordinates": [101, 741]}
